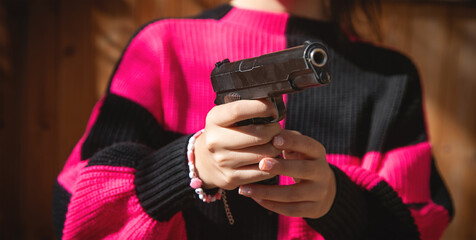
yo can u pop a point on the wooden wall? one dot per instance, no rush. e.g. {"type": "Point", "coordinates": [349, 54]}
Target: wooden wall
{"type": "Point", "coordinates": [441, 39]}
{"type": "Point", "coordinates": [56, 57]}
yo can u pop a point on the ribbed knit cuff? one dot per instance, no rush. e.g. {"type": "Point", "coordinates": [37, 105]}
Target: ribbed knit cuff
{"type": "Point", "coordinates": [162, 182]}
{"type": "Point", "coordinates": [347, 218]}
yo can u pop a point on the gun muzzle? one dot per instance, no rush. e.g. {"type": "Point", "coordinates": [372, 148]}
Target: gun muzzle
{"type": "Point", "coordinates": [318, 57]}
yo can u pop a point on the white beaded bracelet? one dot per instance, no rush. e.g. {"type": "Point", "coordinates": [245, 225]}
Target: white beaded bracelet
{"type": "Point", "coordinates": [195, 181]}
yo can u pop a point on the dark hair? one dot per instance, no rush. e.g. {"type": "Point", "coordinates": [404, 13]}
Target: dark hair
{"type": "Point", "coordinates": [348, 13]}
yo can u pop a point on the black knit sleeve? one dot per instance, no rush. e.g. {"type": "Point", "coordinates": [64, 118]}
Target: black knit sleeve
{"type": "Point", "coordinates": [161, 182]}
{"type": "Point", "coordinates": [350, 209]}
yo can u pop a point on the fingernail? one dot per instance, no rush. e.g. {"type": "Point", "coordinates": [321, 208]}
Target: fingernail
{"type": "Point", "coordinates": [266, 165]}
{"type": "Point", "coordinates": [244, 190]}
{"type": "Point", "coordinates": [278, 141]}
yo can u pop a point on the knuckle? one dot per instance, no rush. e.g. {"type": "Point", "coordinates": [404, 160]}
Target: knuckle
{"type": "Point", "coordinates": [231, 179]}
{"type": "Point", "coordinates": [227, 183]}
{"type": "Point", "coordinates": [235, 110]}
{"type": "Point", "coordinates": [221, 160]}
{"type": "Point", "coordinates": [212, 143]}
{"type": "Point", "coordinates": [211, 116]}
{"type": "Point", "coordinates": [211, 146]}
{"type": "Point", "coordinates": [228, 180]}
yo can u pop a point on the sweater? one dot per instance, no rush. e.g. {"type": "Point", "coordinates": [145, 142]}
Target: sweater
{"type": "Point", "coordinates": [127, 178]}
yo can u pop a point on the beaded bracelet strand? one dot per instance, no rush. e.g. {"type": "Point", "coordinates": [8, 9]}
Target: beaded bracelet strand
{"type": "Point", "coordinates": [196, 182]}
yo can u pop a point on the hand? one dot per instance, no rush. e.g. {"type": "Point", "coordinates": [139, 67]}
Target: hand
{"type": "Point", "coordinates": [314, 190]}
{"type": "Point", "coordinates": [226, 155]}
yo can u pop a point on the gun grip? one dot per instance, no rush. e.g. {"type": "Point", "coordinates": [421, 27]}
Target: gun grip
{"type": "Point", "coordinates": [280, 111]}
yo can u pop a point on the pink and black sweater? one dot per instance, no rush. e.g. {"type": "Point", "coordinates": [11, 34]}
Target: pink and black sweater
{"type": "Point", "coordinates": [127, 178]}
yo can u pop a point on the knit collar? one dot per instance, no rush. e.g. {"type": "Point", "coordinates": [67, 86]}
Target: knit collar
{"type": "Point", "coordinates": [260, 20]}
{"type": "Point", "coordinates": [280, 23]}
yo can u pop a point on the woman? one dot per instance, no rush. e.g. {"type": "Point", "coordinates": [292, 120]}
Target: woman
{"type": "Point", "coordinates": [128, 177]}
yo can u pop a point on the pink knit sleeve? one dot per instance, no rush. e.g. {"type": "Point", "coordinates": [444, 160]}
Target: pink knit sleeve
{"type": "Point", "coordinates": [104, 188]}
{"type": "Point", "coordinates": [105, 206]}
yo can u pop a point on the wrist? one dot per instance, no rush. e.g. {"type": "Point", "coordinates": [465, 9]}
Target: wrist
{"type": "Point", "coordinates": [200, 167]}
{"type": "Point", "coordinates": [195, 182]}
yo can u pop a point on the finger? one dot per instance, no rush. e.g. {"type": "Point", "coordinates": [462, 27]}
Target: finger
{"type": "Point", "coordinates": [248, 156]}
{"type": "Point", "coordinates": [241, 137]}
{"type": "Point", "coordinates": [280, 193]}
{"type": "Point", "coordinates": [294, 141]}
{"type": "Point", "coordinates": [292, 155]}
{"type": "Point", "coordinates": [226, 115]}
{"type": "Point", "coordinates": [299, 209]}
{"type": "Point", "coordinates": [257, 134]}
{"type": "Point", "coordinates": [243, 176]}
{"type": "Point", "coordinates": [295, 168]}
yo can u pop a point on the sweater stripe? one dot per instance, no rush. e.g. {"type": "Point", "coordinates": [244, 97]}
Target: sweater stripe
{"type": "Point", "coordinates": [132, 182]}
{"type": "Point", "coordinates": [112, 187]}
{"type": "Point", "coordinates": [121, 120]}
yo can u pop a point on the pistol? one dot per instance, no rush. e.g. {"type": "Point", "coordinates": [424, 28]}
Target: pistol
{"type": "Point", "coordinates": [270, 76]}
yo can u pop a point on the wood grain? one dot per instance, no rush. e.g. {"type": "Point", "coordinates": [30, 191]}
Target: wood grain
{"type": "Point", "coordinates": [440, 40]}
{"type": "Point", "coordinates": [39, 111]}
{"type": "Point", "coordinates": [11, 69]}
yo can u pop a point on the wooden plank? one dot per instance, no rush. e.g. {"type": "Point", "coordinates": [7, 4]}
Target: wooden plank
{"type": "Point", "coordinates": [75, 68]}
{"type": "Point", "coordinates": [458, 142]}
{"type": "Point", "coordinates": [440, 39]}
{"type": "Point", "coordinates": [113, 26]}
{"type": "Point", "coordinates": [40, 143]}
{"type": "Point", "coordinates": [12, 43]}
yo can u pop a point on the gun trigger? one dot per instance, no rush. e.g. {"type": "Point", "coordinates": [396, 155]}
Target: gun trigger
{"type": "Point", "coordinates": [280, 108]}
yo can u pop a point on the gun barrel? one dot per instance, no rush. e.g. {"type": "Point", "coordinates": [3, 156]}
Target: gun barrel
{"type": "Point", "coordinates": [272, 74]}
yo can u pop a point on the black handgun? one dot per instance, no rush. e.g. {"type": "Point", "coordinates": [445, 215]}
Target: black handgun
{"type": "Point", "coordinates": [271, 75]}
